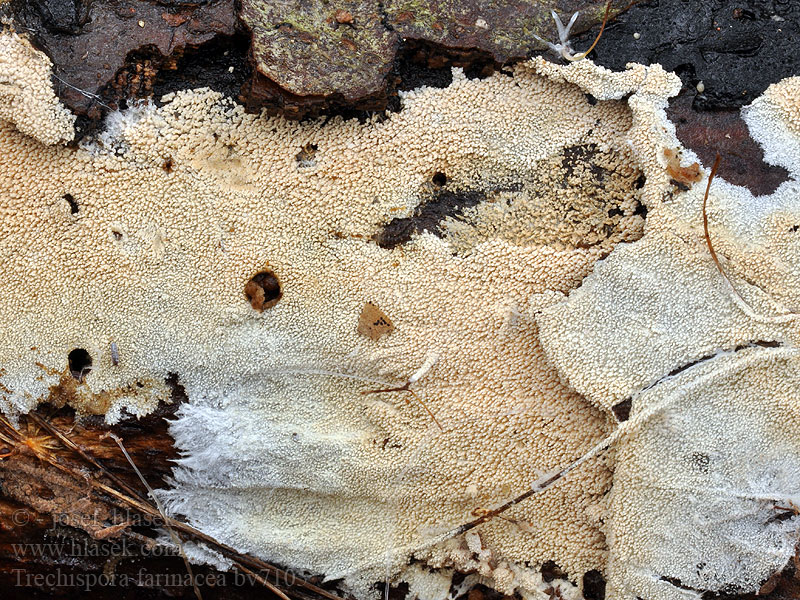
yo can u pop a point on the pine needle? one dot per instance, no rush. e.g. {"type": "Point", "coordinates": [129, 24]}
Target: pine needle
{"type": "Point", "coordinates": [161, 511]}
{"type": "Point", "coordinates": [737, 297]}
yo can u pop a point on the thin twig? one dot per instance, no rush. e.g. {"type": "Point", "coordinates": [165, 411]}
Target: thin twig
{"type": "Point", "coordinates": [10, 427]}
{"type": "Point", "coordinates": [226, 550]}
{"type": "Point", "coordinates": [161, 511]}
{"type": "Point", "coordinates": [430, 359]}
{"type": "Point", "coordinates": [406, 388]}
{"type": "Point", "coordinates": [262, 581]}
{"type": "Point", "coordinates": [64, 439]}
{"type": "Point", "coordinates": [547, 480]}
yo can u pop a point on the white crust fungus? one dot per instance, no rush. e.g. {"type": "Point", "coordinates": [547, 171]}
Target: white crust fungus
{"type": "Point", "coordinates": [709, 364]}
{"type": "Point", "coordinates": [702, 489]}
{"type": "Point", "coordinates": [774, 121]}
{"type": "Point", "coordinates": [291, 450]}
{"type": "Point", "coordinates": [26, 94]}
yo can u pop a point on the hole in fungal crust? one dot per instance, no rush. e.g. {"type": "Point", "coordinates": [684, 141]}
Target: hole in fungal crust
{"type": "Point", "coordinates": [73, 204]}
{"type": "Point", "coordinates": [622, 410]}
{"type": "Point", "coordinates": [428, 216]}
{"type": "Point", "coordinates": [307, 156]}
{"type": "Point", "coordinates": [439, 179]}
{"type": "Point", "coordinates": [117, 234]}
{"type": "Point", "coordinates": [263, 290]}
{"type": "Point", "coordinates": [594, 586]}
{"type": "Point", "coordinates": [80, 363]}
{"type": "Point", "coordinates": [551, 571]}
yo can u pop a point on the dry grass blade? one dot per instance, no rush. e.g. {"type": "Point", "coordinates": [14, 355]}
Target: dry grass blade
{"type": "Point", "coordinates": [161, 512]}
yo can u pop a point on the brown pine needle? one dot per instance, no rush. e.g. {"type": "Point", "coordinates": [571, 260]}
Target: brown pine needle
{"type": "Point", "coordinates": [407, 388]}
{"type": "Point", "coordinates": [583, 55]}
{"type": "Point", "coordinates": [64, 439]}
{"type": "Point", "coordinates": [705, 218]}
{"type": "Point", "coordinates": [740, 301]}
{"type": "Point", "coordinates": [163, 514]}
{"type": "Point", "coordinates": [135, 501]}
{"type": "Point", "coordinates": [263, 582]}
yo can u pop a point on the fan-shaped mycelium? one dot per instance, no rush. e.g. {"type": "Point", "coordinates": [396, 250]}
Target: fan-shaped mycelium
{"type": "Point", "coordinates": [240, 253]}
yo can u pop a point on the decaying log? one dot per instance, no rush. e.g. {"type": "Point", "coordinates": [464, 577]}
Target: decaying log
{"type": "Point", "coordinates": [75, 519]}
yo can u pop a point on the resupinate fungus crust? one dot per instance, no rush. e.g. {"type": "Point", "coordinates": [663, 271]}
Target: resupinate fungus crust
{"type": "Point", "coordinates": [567, 275]}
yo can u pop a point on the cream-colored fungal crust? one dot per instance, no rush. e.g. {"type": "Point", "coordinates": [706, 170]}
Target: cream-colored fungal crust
{"type": "Point", "coordinates": [154, 251]}
{"type": "Point", "coordinates": [633, 331]}
{"type": "Point", "coordinates": [659, 303]}
{"type": "Point", "coordinates": [656, 304]}
{"type": "Point", "coordinates": [147, 239]}
{"type": "Point", "coordinates": [26, 94]}
{"type": "Point", "coordinates": [785, 96]}
{"type": "Point", "coordinates": [138, 249]}
{"type": "Point", "coordinates": [580, 198]}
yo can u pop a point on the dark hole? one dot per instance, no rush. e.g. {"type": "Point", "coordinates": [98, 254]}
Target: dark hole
{"type": "Point", "coordinates": [766, 344]}
{"type": "Point", "coordinates": [680, 185]}
{"type": "Point", "coordinates": [428, 216]}
{"type": "Point", "coordinates": [591, 99]}
{"type": "Point", "coordinates": [45, 493]}
{"type": "Point", "coordinates": [167, 166]}
{"type": "Point", "coordinates": [640, 182]}
{"type": "Point", "coordinates": [594, 586]}
{"type": "Point", "coordinates": [439, 178]}
{"type": "Point", "coordinates": [80, 363]}
{"type": "Point", "coordinates": [794, 228]}
{"type": "Point", "coordinates": [551, 571]}
{"type": "Point", "coordinates": [679, 584]}
{"type": "Point", "coordinates": [117, 234]}
{"type": "Point", "coordinates": [743, 13]}
{"type": "Point", "coordinates": [782, 513]}
{"type": "Point", "coordinates": [305, 158]}
{"type": "Point", "coordinates": [73, 204]}
{"type": "Point", "coordinates": [263, 291]}
{"type": "Point", "coordinates": [622, 410]}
